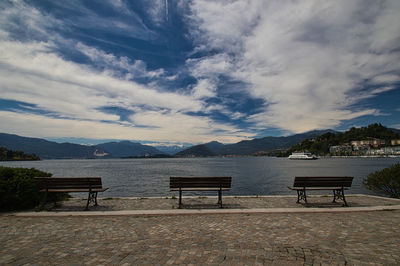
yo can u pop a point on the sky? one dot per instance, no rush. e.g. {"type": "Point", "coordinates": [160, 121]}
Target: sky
{"type": "Point", "coordinates": [173, 72]}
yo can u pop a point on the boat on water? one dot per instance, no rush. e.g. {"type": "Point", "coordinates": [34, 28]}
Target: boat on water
{"type": "Point", "coordinates": [302, 156]}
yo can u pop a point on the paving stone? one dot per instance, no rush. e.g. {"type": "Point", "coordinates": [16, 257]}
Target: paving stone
{"type": "Point", "coordinates": [353, 238]}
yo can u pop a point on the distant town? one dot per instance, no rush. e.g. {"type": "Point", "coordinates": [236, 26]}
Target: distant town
{"type": "Point", "coordinates": [370, 147]}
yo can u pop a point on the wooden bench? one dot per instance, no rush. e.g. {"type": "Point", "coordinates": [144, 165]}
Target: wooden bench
{"type": "Point", "coordinates": [184, 183]}
{"type": "Point", "coordinates": [338, 184]}
{"type": "Point", "coordinates": [92, 185]}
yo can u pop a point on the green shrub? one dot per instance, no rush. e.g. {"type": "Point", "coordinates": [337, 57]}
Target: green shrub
{"type": "Point", "coordinates": [386, 181]}
{"type": "Point", "coordinates": [18, 189]}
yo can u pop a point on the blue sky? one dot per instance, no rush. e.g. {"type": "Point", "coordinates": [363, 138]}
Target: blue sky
{"type": "Point", "coordinates": [173, 72]}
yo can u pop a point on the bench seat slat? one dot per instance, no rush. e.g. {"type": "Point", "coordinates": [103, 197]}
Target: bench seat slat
{"type": "Point", "coordinates": [317, 188]}
{"type": "Point", "coordinates": [322, 181]}
{"type": "Point", "coordinates": [316, 184]}
{"type": "Point", "coordinates": [74, 190]}
{"type": "Point", "coordinates": [200, 189]}
{"type": "Point", "coordinates": [201, 185]}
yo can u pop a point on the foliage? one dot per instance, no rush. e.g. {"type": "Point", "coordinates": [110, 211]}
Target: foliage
{"type": "Point", "coordinates": [320, 145]}
{"type": "Point", "coordinates": [386, 181]}
{"type": "Point", "coordinates": [8, 155]}
{"type": "Point", "coordinates": [18, 189]}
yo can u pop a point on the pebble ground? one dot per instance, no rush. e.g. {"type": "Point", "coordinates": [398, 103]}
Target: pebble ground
{"type": "Point", "coordinates": [353, 238]}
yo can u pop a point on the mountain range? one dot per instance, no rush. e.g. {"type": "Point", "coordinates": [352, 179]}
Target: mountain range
{"type": "Point", "coordinates": [122, 149]}
{"type": "Point", "coordinates": [266, 145]}
{"type": "Point", "coordinates": [52, 150]}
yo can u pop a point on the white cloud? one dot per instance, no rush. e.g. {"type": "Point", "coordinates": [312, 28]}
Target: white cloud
{"type": "Point", "coordinates": [296, 121]}
{"type": "Point", "coordinates": [32, 73]}
{"type": "Point", "coordinates": [204, 89]}
{"type": "Point", "coordinates": [386, 78]}
{"type": "Point", "coordinates": [116, 64]}
{"type": "Point", "coordinates": [382, 89]}
{"type": "Point", "coordinates": [157, 10]}
{"type": "Point", "coordinates": [307, 60]}
{"type": "Point", "coordinates": [18, 16]}
{"type": "Point", "coordinates": [209, 66]}
{"type": "Point", "coordinates": [223, 22]}
{"type": "Point", "coordinates": [177, 128]}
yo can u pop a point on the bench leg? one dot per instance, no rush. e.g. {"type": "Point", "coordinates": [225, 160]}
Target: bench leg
{"type": "Point", "coordinates": [334, 196]}
{"type": "Point", "coordinates": [220, 198]}
{"type": "Point", "coordinates": [95, 200]}
{"type": "Point", "coordinates": [339, 194]}
{"type": "Point", "coordinates": [301, 195]}
{"type": "Point", "coordinates": [180, 199]}
{"type": "Point", "coordinates": [92, 197]}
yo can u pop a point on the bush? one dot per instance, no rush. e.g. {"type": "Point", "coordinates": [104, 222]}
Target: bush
{"type": "Point", "coordinates": [18, 189]}
{"type": "Point", "coordinates": [386, 181]}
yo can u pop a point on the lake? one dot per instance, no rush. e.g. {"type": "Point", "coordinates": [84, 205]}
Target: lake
{"type": "Point", "coordinates": [250, 175]}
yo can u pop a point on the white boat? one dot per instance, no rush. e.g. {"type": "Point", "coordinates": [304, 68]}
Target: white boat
{"type": "Point", "coordinates": [302, 156]}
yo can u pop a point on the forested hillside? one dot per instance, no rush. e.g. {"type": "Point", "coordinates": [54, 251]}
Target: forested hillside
{"type": "Point", "coordinates": [8, 155]}
{"type": "Point", "coordinates": [320, 145]}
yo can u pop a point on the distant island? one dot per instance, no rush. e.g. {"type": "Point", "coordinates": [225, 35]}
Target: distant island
{"type": "Point", "coordinates": [8, 155]}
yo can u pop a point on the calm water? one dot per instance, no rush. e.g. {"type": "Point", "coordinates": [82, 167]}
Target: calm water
{"type": "Point", "coordinates": [250, 176]}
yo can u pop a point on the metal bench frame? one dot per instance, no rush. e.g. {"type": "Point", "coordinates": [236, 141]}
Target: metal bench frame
{"type": "Point", "coordinates": [92, 185]}
{"type": "Point", "coordinates": [204, 183]}
{"type": "Point", "coordinates": [338, 184]}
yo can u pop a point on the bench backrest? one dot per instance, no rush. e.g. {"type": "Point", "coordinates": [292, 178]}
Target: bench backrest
{"type": "Point", "coordinates": [69, 182]}
{"type": "Point", "coordinates": [200, 182]}
{"type": "Point", "coordinates": [323, 181]}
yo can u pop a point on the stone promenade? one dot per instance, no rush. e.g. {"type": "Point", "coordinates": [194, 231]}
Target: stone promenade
{"type": "Point", "coordinates": [292, 238]}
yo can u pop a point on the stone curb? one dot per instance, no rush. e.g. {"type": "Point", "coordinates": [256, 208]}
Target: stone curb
{"type": "Point", "coordinates": [212, 211]}
{"type": "Point", "coordinates": [199, 212]}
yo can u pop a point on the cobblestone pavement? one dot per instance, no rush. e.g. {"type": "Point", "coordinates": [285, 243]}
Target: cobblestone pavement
{"type": "Point", "coordinates": [200, 202]}
{"type": "Point", "coordinates": [355, 238]}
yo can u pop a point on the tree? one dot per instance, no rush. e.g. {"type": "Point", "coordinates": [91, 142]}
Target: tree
{"type": "Point", "coordinates": [386, 181]}
{"type": "Point", "coordinates": [18, 188]}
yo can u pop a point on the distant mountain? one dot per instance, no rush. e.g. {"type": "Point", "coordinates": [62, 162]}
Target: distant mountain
{"type": "Point", "coordinates": [197, 151]}
{"type": "Point", "coordinates": [395, 130]}
{"type": "Point", "coordinates": [128, 149]}
{"type": "Point", "coordinates": [53, 150]}
{"type": "Point", "coordinates": [171, 149]}
{"type": "Point", "coordinates": [48, 149]}
{"type": "Point", "coordinates": [268, 144]}
{"type": "Point", "coordinates": [216, 147]}
{"type": "Point", "coordinates": [249, 147]}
